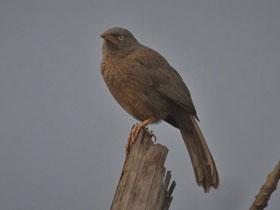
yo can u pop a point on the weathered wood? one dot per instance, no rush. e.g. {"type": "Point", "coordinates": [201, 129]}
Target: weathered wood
{"type": "Point", "coordinates": [143, 184]}
{"type": "Point", "coordinates": [267, 189]}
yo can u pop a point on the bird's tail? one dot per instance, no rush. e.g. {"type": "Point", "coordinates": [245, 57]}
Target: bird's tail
{"type": "Point", "coordinates": [203, 163]}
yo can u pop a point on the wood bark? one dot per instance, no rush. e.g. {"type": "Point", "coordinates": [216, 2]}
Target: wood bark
{"type": "Point", "coordinates": [143, 184]}
{"type": "Point", "coordinates": [267, 189]}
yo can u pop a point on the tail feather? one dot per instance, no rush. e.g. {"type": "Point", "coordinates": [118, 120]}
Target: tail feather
{"type": "Point", "coordinates": [203, 163]}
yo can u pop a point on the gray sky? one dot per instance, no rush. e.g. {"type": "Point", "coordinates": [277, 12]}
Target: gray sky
{"type": "Point", "coordinates": [62, 135]}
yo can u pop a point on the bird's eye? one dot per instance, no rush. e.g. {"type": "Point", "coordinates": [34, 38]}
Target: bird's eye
{"type": "Point", "coordinates": [121, 38]}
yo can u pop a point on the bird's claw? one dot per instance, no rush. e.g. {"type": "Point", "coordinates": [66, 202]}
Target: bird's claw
{"type": "Point", "coordinates": [151, 134]}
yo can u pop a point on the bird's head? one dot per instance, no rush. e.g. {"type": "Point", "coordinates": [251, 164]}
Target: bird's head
{"type": "Point", "coordinates": [118, 41]}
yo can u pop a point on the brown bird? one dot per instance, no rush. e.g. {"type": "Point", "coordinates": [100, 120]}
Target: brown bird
{"type": "Point", "coordinates": [150, 90]}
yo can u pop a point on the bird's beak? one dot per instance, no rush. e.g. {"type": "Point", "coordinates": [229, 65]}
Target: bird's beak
{"type": "Point", "coordinates": [108, 37]}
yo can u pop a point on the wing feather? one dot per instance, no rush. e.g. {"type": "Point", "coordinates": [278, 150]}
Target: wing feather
{"type": "Point", "coordinates": [165, 79]}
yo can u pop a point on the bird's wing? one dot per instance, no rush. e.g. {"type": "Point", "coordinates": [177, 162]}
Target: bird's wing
{"type": "Point", "coordinates": [165, 79]}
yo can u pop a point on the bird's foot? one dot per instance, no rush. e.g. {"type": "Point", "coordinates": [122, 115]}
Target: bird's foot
{"type": "Point", "coordinates": [134, 133]}
{"type": "Point", "coordinates": [151, 134]}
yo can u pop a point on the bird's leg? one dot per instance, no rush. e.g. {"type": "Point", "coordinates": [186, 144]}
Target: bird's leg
{"type": "Point", "coordinates": [129, 140]}
{"type": "Point", "coordinates": [135, 131]}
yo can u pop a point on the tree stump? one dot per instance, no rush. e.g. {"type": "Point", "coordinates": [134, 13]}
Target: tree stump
{"type": "Point", "coordinates": [143, 184]}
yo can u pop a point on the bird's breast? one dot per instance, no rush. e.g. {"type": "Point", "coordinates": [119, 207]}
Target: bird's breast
{"type": "Point", "coordinates": [127, 88]}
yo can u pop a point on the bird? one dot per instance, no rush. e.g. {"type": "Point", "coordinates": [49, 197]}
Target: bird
{"type": "Point", "coordinates": [147, 87]}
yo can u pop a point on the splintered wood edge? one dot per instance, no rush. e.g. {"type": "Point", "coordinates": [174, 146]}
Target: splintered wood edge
{"type": "Point", "coordinates": [160, 196]}
{"type": "Point", "coordinates": [167, 192]}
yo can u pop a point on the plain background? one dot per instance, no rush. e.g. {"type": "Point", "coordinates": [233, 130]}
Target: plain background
{"type": "Point", "coordinates": [62, 135]}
